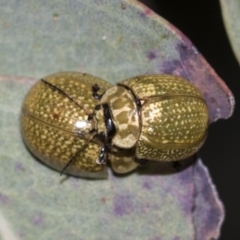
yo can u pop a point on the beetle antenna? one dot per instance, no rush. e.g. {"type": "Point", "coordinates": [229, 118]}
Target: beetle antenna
{"type": "Point", "coordinates": [71, 161]}
{"type": "Point", "coordinates": [67, 95]}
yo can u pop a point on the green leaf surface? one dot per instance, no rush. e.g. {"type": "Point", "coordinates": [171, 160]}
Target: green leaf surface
{"type": "Point", "coordinates": [113, 40]}
{"type": "Point", "coordinates": [231, 17]}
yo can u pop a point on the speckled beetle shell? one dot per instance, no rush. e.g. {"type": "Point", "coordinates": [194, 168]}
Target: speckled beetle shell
{"type": "Point", "coordinates": [174, 117]}
{"type": "Point", "coordinates": [55, 123]}
{"type": "Point", "coordinates": [77, 122]}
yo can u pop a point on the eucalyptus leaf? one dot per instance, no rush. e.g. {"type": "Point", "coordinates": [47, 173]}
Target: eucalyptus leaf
{"type": "Point", "coordinates": [113, 40]}
{"type": "Point", "coordinates": [231, 17]}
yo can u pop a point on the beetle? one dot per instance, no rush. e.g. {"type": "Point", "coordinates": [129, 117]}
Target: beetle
{"type": "Point", "coordinates": [75, 122]}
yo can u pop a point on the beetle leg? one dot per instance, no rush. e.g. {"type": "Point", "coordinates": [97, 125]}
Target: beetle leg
{"type": "Point", "coordinates": [90, 116]}
{"type": "Point", "coordinates": [102, 156]}
{"type": "Point", "coordinates": [95, 89]}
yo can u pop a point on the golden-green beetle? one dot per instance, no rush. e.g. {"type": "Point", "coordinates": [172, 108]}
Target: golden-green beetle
{"type": "Point", "coordinates": [75, 122]}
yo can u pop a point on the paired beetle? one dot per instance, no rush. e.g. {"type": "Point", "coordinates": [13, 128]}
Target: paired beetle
{"type": "Point", "coordinates": [76, 122]}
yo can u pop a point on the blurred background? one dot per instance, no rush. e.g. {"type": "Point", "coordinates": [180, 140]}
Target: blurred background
{"type": "Point", "coordinates": [201, 21]}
